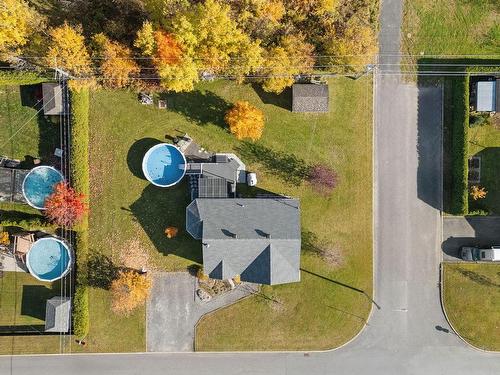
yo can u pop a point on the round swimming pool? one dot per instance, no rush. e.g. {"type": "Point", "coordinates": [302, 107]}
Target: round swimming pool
{"type": "Point", "coordinates": [164, 165]}
{"type": "Point", "coordinates": [48, 259]}
{"type": "Point", "coordinates": [39, 184]}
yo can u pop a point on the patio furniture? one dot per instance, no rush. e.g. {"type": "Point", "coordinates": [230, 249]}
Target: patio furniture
{"type": "Point", "coordinates": [145, 99]}
{"type": "Point", "coordinates": [58, 152]}
{"type": "Point", "coordinates": [22, 244]}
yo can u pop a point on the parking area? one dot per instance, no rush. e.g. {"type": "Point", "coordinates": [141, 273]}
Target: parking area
{"type": "Point", "coordinates": [173, 310]}
{"type": "Point", "coordinates": [468, 231]}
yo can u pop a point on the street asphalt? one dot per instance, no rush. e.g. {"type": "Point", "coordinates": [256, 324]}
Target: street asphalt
{"type": "Point", "coordinates": [405, 333]}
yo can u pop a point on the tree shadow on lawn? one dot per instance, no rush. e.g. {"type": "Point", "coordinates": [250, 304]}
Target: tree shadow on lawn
{"type": "Point", "coordinates": [283, 100]}
{"type": "Point", "coordinates": [201, 107]}
{"type": "Point", "coordinates": [288, 167]}
{"type": "Point", "coordinates": [101, 271]}
{"type": "Point", "coordinates": [48, 126]}
{"type": "Point", "coordinates": [136, 154]}
{"type": "Point", "coordinates": [35, 297]}
{"type": "Point", "coordinates": [158, 208]}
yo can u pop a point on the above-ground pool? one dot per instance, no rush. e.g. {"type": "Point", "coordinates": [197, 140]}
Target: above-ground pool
{"type": "Point", "coordinates": [164, 165]}
{"type": "Point", "coordinates": [48, 259]}
{"type": "Point", "coordinates": [39, 184]}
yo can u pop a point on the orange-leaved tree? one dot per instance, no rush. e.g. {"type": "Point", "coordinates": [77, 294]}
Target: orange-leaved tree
{"type": "Point", "coordinates": [116, 62]}
{"type": "Point", "coordinates": [171, 232]}
{"type": "Point", "coordinates": [478, 192]}
{"type": "Point", "coordinates": [245, 121]}
{"type": "Point", "coordinates": [129, 290]}
{"type": "Point", "coordinates": [65, 206]}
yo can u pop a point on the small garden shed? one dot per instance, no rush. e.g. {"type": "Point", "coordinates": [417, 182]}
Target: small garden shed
{"type": "Point", "coordinates": [310, 97]}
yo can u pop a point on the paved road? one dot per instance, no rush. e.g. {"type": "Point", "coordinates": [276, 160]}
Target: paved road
{"type": "Point", "coordinates": [401, 337]}
{"type": "Point", "coordinates": [470, 231]}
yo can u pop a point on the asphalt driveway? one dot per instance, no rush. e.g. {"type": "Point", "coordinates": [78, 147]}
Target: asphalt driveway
{"type": "Point", "coordinates": [173, 310]}
{"type": "Point", "coordinates": [468, 231]}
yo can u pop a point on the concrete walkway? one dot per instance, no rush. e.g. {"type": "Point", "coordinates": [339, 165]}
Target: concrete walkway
{"type": "Point", "coordinates": [9, 264]}
{"type": "Point", "coordinates": [173, 311]}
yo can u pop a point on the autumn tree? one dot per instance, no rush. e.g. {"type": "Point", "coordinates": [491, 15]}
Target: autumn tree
{"type": "Point", "coordinates": [478, 192]}
{"type": "Point", "coordinates": [212, 37]}
{"type": "Point", "coordinates": [245, 121]}
{"type": "Point", "coordinates": [17, 22]}
{"type": "Point", "coordinates": [352, 46]}
{"type": "Point", "coordinates": [67, 50]}
{"type": "Point", "coordinates": [322, 178]}
{"type": "Point", "coordinates": [145, 39]}
{"type": "Point", "coordinates": [65, 207]}
{"type": "Point", "coordinates": [129, 291]}
{"type": "Point", "coordinates": [115, 61]}
{"type": "Point", "coordinates": [291, 57]}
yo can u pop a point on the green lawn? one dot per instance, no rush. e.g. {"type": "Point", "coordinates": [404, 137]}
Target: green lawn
{"type": "Point", "coordinates": [315, 313]}
{"type": "Point", "coordinates": [472, 302]}
{"type": "Point", "coordinates": [22, 304]}
{"type": "Point", "coordinates": [24, 132]}
{"type": "Point", "coordinates": [484, 141]}
{"type": "Point", "coordinates": [453, 27]}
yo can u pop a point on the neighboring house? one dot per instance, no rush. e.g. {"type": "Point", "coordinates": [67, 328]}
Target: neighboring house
{"type": "Point", "coordinates": [257, 239]}
{"type": "Point", "coordinates": [57, 314]}
{"type": "Point", "coordinates": [310, 97]}
{"type": "Point", "coordinates": [216, 177]}
{"type": "Point", "coordinates": [52, 99]}
{"type": "Point", "coordinates": [488, 96]}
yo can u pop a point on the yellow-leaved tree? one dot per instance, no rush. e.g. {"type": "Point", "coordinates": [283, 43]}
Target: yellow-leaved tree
{"type": "Point", "coordinates": [145, 39]}
{"type": "Point", "coordinates": [478, 192]}
{"type": "Point", "coordinates": [115, 61]}
{"type": "Point", "coordinates": [67, 50]}
{"type": "Point", "coordinates": [17, 22]}
{"type": "Point", "coordinates": [353, 46]}
{"type": "Point", "coordinates": [292, 56]}
{"type": "Point", "coordinates": [129, 290]}
{"type": "Point", "coordinates": [245, 121]}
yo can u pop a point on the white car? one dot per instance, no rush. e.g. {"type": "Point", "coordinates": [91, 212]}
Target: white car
{"type": "Point", "coordinates": [477, 254]}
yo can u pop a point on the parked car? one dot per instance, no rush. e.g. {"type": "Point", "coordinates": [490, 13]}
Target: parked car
{"type": "Point", "coordinates": [476, 254]}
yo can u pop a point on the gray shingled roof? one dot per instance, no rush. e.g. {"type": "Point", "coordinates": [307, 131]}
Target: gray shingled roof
{"type": "Point", "coordinates": [210, 187]}
{"type": "Point", "coordinates": [11, 181]}
{"type": "Point", "coordinates": [310, 97]}
{"type": "Point", "coordinates": [57, 314]}
{"type": "Point", "coordinates": [52, 99]}
{"type": "Point", "coordinates": [258, 239]}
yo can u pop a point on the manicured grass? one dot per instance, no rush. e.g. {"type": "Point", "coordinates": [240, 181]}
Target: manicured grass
{"type": "Point", "coordinates": [484, 141]}
{"type": "Point", "coordinates": [32, 134]}
{"type": "Point", "coordinates": [453, 27]}
{"type": "Point", "coordinates": [472, 302]}
{"type": "Point", "coordinates": [22, 304]}
{"type": "Point", "coordinates": [315, 313]}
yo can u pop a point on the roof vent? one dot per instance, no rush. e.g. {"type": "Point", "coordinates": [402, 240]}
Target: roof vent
{"type": "Point", "coordinates": [262, 233]}
{"type": "Point", "coordinates": [240, 204]}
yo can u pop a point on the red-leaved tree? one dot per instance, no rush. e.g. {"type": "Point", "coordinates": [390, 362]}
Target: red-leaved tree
{"type": "Point", "coordinates": [65, 207]}
{"type": "Point", "coordinates": [322, 178]}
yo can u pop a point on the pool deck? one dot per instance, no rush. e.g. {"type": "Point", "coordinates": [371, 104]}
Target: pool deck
{"type": "Point", "coordinates": [10, 264]}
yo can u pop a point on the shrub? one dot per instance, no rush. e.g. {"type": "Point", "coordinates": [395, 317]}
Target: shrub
{"type": "Point", "coordinates": [80, 178]}
{"type": "Point", "coordinates": [459, 146]}
{"type": "Point", "coordinates": [81, 312]}
{"type": "Point", "coordinates": [4, 238]}
{"type": "Point", "coordinates": [171, 232]}
{"type": "Point", "coordinates": [478, 192]}
{"type": "Point", "coordinates": [129, 290]}
{"type": "Point", "coordinates": [245, 121]}
{"type": "Point", "coordinates": [478, 120]}
{"type": "Point", "coordinates": [322, 178]}
{"type": "Point", "coordinates": [65, 206]}
{"type": "Point", "coordinates": [20, 78]}
{"type": "Point", "coordinates": [478, 212]}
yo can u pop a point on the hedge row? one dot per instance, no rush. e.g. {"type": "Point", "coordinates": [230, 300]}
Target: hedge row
{"type": "Point", "coordinates": [80, 180]}
{"type": "Point", "coordinates": [459, 146]}
{"type": "Point", "coordinates": [29, 224]}
{"type": "Point", "coordinates": [20, 78]}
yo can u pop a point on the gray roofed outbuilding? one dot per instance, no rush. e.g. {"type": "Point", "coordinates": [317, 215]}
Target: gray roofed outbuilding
{"type": "Point", "coordinates": [57, 314]}
{"type": "Point", "coordinates": [258, 239]}
{"type": "Point", "coordinates": [310, 97]}
{"type": "Point", "coordinates": [11, 181]}
{"type": "Point", "coordinates": [52, 99]}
